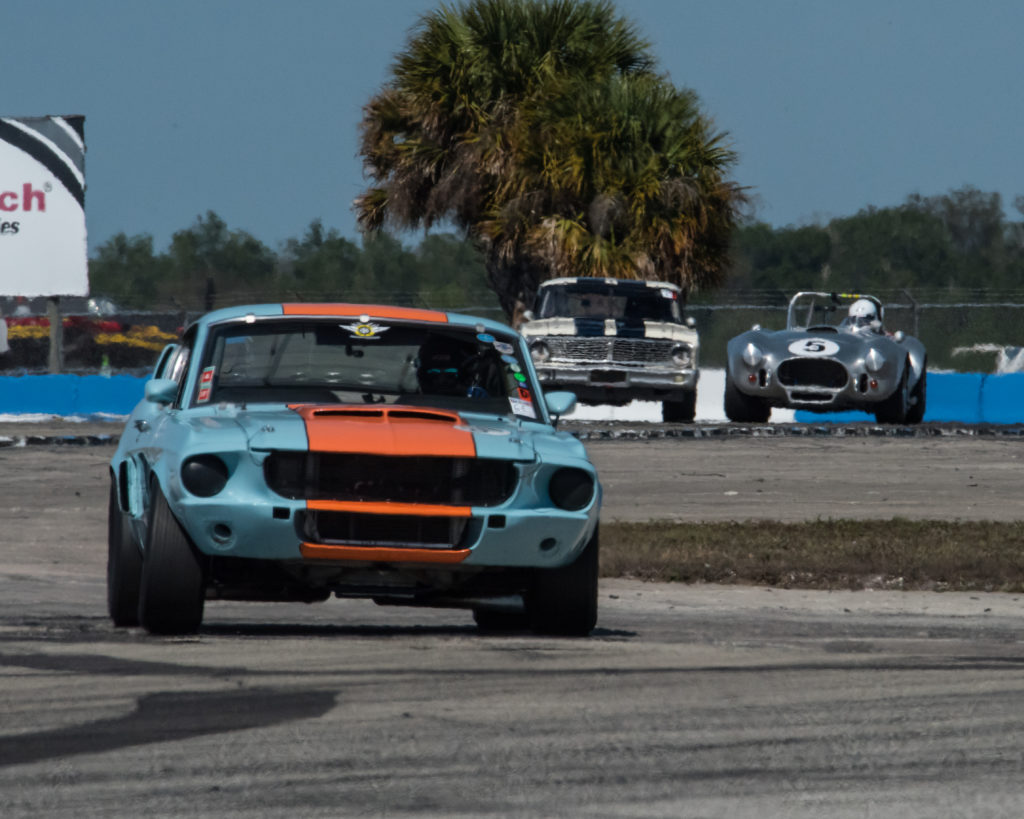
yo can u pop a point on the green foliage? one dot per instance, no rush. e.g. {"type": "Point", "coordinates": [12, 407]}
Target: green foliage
{"type": "Point", "coordinates": [209, 265]}
{"type": "Point", "coordinates": [540, 129]}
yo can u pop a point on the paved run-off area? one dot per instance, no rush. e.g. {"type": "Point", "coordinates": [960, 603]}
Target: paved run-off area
{"type": "Point", "coordinates": [686, 702]}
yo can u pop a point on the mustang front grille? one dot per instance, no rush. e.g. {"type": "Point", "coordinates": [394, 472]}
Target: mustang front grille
{"type": "Point", "coordinates": [357, 529]}
{"type": "Point", "coordinates": [382, 478]}
{"type": "Point", "coordinates": [610, 349]}
{"type": "Point", "coordinates": [812, 372]}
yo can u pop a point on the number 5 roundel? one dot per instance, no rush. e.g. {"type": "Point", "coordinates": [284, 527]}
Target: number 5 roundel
{"type": "Point", "coordinates": [814, 347]}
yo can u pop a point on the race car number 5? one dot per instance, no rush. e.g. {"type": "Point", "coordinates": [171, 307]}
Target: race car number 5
{"type": "Point", "coordinates": [814, 347]}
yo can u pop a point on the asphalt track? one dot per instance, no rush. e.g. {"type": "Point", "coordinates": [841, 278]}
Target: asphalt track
{"type": "Point", "coordinates": [687, 701]}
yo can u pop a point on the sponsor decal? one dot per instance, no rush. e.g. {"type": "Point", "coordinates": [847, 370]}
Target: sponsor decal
{"type": "Point", "coordinates": [519, 377]}
{"type": "Point", "coordinates": [486, 338]}
{"type": "Point", "coordinates": [509, 359]}
{"type": "Point", "coordinates": [27, 199]}
{"type": "Point", "coordinates": [524, 394]}
{"type": "Point", "coordinates": [205, 384]}
{"type": "Point", "coordinates": [520, 407]}
{"type": "Point", "coordinates": [365, 329]}
{"type": "Point", "coordinates": [813, 347]}
{"type": "Point", "coordinates": [504, 347]}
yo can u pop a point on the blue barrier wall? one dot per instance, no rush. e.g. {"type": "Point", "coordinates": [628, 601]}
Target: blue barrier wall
{"type": "Point", "coordinates": [70, 394]}
{"type": "Point", "coordinates": [968, 398]}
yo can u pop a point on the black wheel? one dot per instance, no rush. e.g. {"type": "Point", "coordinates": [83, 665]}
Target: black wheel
{"type": "Point", "coordinates": [564, 601]}
{"type": "Point", "coordinates": [497, 621]}
{"type": "Point", "coordinates": [171, 594]}
{"type": "Point", "coordinates": [895, 408]}
{"type": "Point", "coordinates": [680, 412]}
{"type": "Point", "coordinates": [124, 566]}
{"type": "Point", "coordinates": [918, 396]}
{"type": "Point", "coordinates": [744, 408]}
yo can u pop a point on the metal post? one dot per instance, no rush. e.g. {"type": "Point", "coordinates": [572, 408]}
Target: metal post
{"type": "Point", "coordinates": [56, 334]}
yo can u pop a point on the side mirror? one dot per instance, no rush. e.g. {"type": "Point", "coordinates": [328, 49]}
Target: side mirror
{"type": "Point", "coordinates": [898, 336]}
{"type": "Point", "coordinates": [528, 315]}
{"type": "Point", "coordinates": [559, 403]}
{"type": "Point", "coordinates": [161, 390]}
{"type": "Point", "coordinates": [691, 322]}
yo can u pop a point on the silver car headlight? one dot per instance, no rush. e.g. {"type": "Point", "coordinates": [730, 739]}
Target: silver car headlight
{"type": "Point", "coordinates": [752, 356]}
{"type": "Point", "coordinates": [682, 354]}
{"type": "Point", "coordinates": [874, 360]}
{"type": "Point", "coordinates": [540, 352]}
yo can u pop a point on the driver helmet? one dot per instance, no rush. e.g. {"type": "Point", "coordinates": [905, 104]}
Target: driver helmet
{"type": "Point", "coordinates": [863, 313]}
{"type": "Point", "coordinates": [440, 360]}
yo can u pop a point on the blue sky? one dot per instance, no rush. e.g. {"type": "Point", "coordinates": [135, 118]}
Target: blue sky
{"type": "Point", "coordinates": [250, 107]}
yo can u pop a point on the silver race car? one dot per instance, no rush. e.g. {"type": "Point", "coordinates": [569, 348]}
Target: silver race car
{"type": "Point", "coordinates": [834, 354]}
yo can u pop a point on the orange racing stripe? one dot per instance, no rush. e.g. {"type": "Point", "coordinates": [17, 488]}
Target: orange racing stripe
{"type": "Point", "coordinates": [391, 508]}
{"type": "Point", "coordinates": [373, 310]}
{"type": "Point", "coordinates": [378, 554]}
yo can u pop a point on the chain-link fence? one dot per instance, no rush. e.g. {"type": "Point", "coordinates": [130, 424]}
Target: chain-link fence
{"type": "Point", "coordinates": [971, 334]}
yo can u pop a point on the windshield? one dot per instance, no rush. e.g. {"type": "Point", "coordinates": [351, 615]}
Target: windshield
{"type": "Point", "coordinates": [339, 361]}
{"type": "Point", "coordinates": [601, 300]}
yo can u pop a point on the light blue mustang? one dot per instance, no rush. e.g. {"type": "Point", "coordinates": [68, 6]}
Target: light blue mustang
{"type": "Point", "coordinates": [294, 451]}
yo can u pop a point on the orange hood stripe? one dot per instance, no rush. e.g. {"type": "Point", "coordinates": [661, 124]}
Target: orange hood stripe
{"type": "Point", "coordinates": [378, 311]}
{"type": "Point", "coordinates": [393, 431]}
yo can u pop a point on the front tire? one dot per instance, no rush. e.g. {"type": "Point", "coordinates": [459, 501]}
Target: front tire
{"type": "Point", "coordinates": [124, 566]}
{"type": "Point", "coordinates": [743, 408]}
{"type": "Point", "coordinates": [172, 592]}
{"type": "Point", "coordinates": [895, 408]}
{"type": "Point", "coordinates": [918, 395]}
{"type": "Point", "coordinates": [563, 601]}
{"type": "Point", "coordinates": [680, 412]}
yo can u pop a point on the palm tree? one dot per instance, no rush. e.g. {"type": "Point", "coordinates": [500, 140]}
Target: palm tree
{"type": "Point", "coordinates": [540, 128]}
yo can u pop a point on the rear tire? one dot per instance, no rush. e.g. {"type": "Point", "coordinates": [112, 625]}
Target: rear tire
{"type": "Point", "coordinates": [563, 601]}
{"type": "Point", "coordinates": [680, 412]}
{"type": "Point", "coordinates": [124, 566]}
{"type": "Point", "coordinates": [172, 592]}
{"type": "Point", "coordinates": [743, 408]}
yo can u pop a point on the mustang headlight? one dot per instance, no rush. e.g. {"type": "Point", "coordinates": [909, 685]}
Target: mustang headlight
{"type": "Point", "coordinates": [540, 352]}
{"type": "Point", "coordinates": [204, 475]}
{"type": "Point", "coordinates": [874, 360]}
{"type": "Point", "coordinates": [682, 355]}
{"type": "Point", "coordinates": [752, 356]}
{"type": "Point", "coordinates": [571, 488]}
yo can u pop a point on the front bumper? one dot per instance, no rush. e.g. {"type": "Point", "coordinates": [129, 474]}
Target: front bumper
{"type": "Point", "coordinates": [859, 388]}
{"type": "Point", "coordinates": [609, 383]}
{"type": "Point", "coordinates": [248, 521]}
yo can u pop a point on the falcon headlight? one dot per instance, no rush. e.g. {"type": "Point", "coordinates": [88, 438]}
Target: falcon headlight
{"type": "Point", "coordinates": [540, 352]}
{"type": "Point", "coordinates": [682, 354]}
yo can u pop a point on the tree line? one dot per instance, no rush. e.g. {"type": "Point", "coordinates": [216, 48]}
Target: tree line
{"type": "Point", "coordinates": [958, 246]}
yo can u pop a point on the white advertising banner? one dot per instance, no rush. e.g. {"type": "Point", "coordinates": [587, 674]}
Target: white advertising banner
{"type": "Point", "coordinates": [43, 250]}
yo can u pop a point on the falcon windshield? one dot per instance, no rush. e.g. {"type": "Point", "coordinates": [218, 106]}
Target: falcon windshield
{"type": "Point", "coordinates": [339, 361]}
{"type": "Point", "coordinates": [598, 299]}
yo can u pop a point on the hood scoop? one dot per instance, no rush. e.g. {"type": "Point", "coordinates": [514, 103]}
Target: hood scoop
{"type": "Point", "coordinates": [387, 414]}
{"type": "Point", "coordinates": [396, 431]}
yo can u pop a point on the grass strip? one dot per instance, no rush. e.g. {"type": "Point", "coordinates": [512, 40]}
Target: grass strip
{"type": "Point", "coordinates": [821, 554]}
